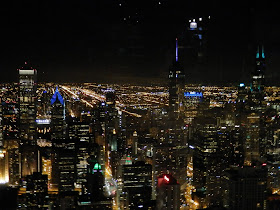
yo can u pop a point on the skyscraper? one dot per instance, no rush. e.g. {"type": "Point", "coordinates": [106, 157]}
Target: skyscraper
{"type": "Point", "coordinates": [64, 164]}
{"type": "Point", "coordinates": [94, 180]}
{"type": "Point", "coordinates": [80, 133]}
{"type": "Point", "coordinates": [29, 155]}
{"type": "Point", "coordinates": [176, 87]}
{"type": "Point", "coordinates": [36, 189]}
{"type": "Point", "coordinates": [57, 116]}
{"type": "Point", "coordinates": [27, 103]}
{"type": "Point", "coordinates": [168, 193]}
{"type": "Point", "coordinates": [137, 183]}
{"type": "Point", "coordinates": [246, 188]}
{"type": "Point", "coordinates": [258, 78]}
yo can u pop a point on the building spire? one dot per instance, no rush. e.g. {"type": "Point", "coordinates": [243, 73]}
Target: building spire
{"type": "Point", "coordinates": [258, 52]}
{"type": "Point", "coordinates": [176, 49]}
{"type": "Point", "coordinates": [263, 56]}
{"type": "Point", "coordinates": [56, 96]}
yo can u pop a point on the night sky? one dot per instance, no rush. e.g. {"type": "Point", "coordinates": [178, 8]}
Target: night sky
{"type": "Point", "coordinates": [133, 40]}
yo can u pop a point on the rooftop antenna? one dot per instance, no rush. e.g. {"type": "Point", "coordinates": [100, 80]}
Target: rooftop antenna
{"type": "Point", "coordinates": [258, 52]}
{"type": "Point", "coordinates": [176, 50]}
{"type": "Point", "coordinates": [263, 56]}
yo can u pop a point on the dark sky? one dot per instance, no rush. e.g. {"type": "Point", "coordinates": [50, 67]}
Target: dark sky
{"type": "Point", "coordinates": [101, 40]}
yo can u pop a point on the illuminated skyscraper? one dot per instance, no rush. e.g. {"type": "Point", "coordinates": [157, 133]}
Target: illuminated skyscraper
{"type": "Point", "coordinates": [111, 120]}
{"type": "Point", "coordinates": [57, 116]}
{"type": "Point", "coordinates": [258, 79]}
{"type": "Point", "coordinates": [80, 132]}
{"type": "Point", "coordinates": [64, 164]}
{"type": "Point", "coordinates": [95, 180]}
{"type": "Point", "coordinates": [137, 183]}
{"type": "Point", "coordinates": [29, 155]}
{"type": "Point", "coordinates": [27, 103]}
{"type": "Point", "coordinates": [168, 193]}
{"type": "Point", "coordinates": [176, 87]}
{"type": "Point", "coordinates": [253, 140]}
{"type": "Point", "coordinates": [197, 32]}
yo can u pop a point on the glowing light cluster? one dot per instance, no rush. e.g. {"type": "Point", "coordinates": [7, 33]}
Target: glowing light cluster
{"type": "Point", "coordinates": [166, 178]}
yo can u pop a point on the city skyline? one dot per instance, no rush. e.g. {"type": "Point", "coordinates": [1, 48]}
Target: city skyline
{"type": "Point", "coordinates": [125, 105]}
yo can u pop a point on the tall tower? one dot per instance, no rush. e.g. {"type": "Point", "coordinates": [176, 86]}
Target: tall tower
{"type": "Point", "coordinates": [57, 116]}
{"type": "Point", "coordinates": [176, 87]}
{"type": "Point", "coordinates": [29, 156]}
{"type": "Point", "coordinates": [257, 83]}
{"type": "Point", "coordinates": [27, 103]}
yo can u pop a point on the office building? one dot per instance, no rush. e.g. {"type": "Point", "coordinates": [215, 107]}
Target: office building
{"type": "Point", "coordinates": [57, 116]}
{"type": "Point", "coordinates": [246, 188]}
{"type": "Point", "coordinates": [258, 78]}
{"type": "Point", "coordinates": [137, 184]}
{"type": "Point", "coordinates": [64, 164]}
{"type": "Point", "coordinates": [27, 104]}
{"type": "Point", "coordinates": [176, 87]}
{"type": "Point", "coordinates": [80, 132]}
{"type": "Point", "coordinates": [37, 190]}
{"type": "Point", "coordinates": [29, 154]}
{"type": "Point", "coordinates": [168, 193]}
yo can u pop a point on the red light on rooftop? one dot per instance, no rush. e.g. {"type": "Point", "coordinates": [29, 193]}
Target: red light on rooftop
{"type": "Point", "coordinates": [264, 164]}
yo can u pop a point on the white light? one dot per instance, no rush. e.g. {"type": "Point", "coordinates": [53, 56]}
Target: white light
{"type": "Point", "coordinates": [26, 72]}
{"type": "Point", "coordinates": [43, 121]}
{"type": "Point", "coordinates": [166, 178]}
{"type": "Point", "coordinates": [200, 19]}
{"type": "Point", "coordinates": [193, 25]}
{"type": "Point", "coordinates": [257, 77]}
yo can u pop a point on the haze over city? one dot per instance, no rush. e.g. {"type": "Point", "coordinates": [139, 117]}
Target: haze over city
{"type": "Point", "coordinates": [109, 40]}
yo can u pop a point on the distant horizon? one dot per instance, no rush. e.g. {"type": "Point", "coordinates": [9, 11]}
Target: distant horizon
{"type": "Point", "coordinates": [104, 41]}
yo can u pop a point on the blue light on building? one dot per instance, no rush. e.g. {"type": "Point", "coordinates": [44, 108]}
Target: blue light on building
{"type": "Point", "coordinates": [56, 96]}
{"type": "Point", "coordinates": [193, 94]}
